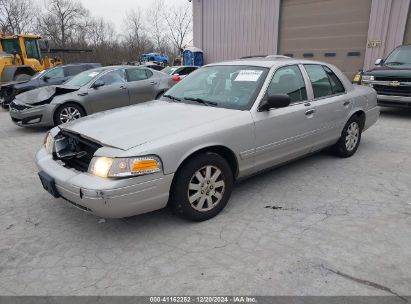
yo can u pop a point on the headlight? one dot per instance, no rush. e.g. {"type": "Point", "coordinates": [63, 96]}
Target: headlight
{"type": "Point", "coordinates": [49, 143]}
{"type": "Point", "coordinates": [124, 167]}
{"type": "Point", "coordinates": [357, 78]}
{"type": "Point", "coordinates": [368, 78]}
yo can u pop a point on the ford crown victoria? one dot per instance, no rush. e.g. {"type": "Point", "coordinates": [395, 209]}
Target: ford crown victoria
{"type": "Point", "coordinates": [223, 122]}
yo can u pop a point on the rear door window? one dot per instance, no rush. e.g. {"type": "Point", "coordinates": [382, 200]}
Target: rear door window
{"type": "Point", "coordinates": [113, 77]}
{"type": "Point", "coordinates": [319, 80]}
{"type": "Point", "coordinates": [138, 74]}
{"type": "Point", "coordinates": [288, 80]}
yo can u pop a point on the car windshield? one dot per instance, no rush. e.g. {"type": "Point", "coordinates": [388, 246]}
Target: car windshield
{"type": "Point", "coordinates": [39, 74]}
{"type": "Point", "coordinates": [83, 78]}
{"type": "Point", "coordinates": [400, 56]}
{"type": "Point", "coordinates": [231, 87]}
{"type": "Point", "coordinates": [168, 70]}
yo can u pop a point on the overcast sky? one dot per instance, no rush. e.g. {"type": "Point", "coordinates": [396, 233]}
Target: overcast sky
{"type": "Point", "coordinates": [115, 10]}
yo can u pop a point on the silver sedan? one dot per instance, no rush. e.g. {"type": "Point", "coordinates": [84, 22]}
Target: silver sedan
{"type": "Point", "coordinates": [89, 92]}
{"type": "Point", "coordinates": [221, 123]}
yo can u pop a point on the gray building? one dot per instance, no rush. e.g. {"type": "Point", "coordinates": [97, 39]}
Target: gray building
{"type": "Point", "coordinates": [351, 34]}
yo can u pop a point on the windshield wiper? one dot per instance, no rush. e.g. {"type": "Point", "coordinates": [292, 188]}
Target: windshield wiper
{"type": "Point", "coordinates": [395, 63]}
{"type": "Point", "coordinates": [172, 97]}
{"type": "Point", "coordinates": [202, 101]}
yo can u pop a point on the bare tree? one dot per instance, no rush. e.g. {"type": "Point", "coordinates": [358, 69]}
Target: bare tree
{"type": "Point", "coordinates": [62, 19]}
{"type": "Point", "coordinates": [15, 16]}
{"type": "Point", "coordinates": [157, 25]}
{"type": "Point", "coordinates": [135, 38]}
{"type": "Point", "coordinates": [101, 33]}
{"type": "Point", "coordinates": [178, 20]}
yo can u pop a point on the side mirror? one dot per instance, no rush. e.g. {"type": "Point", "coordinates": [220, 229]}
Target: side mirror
{"type": "Point", "coordinates": [98, 83]}
{"type": "Point", "coordinates": [379, 61]}
{"type": "Point", "coordinates": [46, 78]}
{"type": "Point", "coordinates": [275, 101]}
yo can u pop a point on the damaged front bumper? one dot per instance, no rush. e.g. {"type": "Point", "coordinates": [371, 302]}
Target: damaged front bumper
{"type": "Point", "coordinates": [106, 197]}
{"type": "Point", "coordinates": [25, 115]}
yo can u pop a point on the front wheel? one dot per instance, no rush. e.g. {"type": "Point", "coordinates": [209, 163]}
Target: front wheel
{"type": "Point", "coordinates": [350, 138]}
{"type": "Point", "coordinates": [68, 112]}
{"type": "Point", "coordinates": [202, 187]}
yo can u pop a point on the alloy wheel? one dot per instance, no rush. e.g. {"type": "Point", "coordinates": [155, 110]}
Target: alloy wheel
{"type": "Point", "coordinates": [69, 114]}
{"type": "Point", "coordinates": [353, 135]}
{"type": "Point", "coordinates": [206, 188]}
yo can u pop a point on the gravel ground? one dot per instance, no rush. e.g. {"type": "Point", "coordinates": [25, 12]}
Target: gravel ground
{"type": "Point", "coordinates": [318, 226]}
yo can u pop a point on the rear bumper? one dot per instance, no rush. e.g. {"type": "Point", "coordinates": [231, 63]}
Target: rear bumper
{"type": "Point", "coordinates": [109, 198]}
{"type": "Point", "coordinates": [394, 101]}
{"type": "Point", "coordinates": [371, 117]}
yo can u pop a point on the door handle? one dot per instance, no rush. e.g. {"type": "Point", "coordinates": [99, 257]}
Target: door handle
{"type": "Point", "coordinates": [123, 87]}
{"type": "Point", "coordinates": [310, 112]}
{"type": "Point", "coordinates": [153, 83]}
{"type": "Point", "coordinates": [347, 103]}
{"type": "Point", "coordinates": [307, 104]}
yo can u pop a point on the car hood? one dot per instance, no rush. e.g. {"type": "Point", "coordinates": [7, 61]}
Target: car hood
{"type": "Point", "coordinates": [13, 83]}
{"type": "Point", "coordinates": [132, 126]}
{"type": "Point", "coordinates": [386, 71]}
{"type": "Point", "coordinates": [44, 93]}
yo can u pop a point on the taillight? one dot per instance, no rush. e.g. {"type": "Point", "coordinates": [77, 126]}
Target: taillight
{"type": "Point", "coordinates": [176, 78]}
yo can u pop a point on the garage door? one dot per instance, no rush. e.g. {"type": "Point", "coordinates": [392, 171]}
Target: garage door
{"type": "Point", "coordinates": [407, 37]}
{"type": "Point", "coordinates": [333, 31]}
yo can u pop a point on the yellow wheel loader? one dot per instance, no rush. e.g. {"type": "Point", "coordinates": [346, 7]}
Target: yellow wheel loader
{"type": "Point", "coordinates": [20, 57]}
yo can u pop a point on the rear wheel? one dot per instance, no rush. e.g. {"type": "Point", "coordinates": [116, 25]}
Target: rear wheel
{"type": "Point", "coordinates": [202, 187]}
{"type": "Point", "coordinates": [350, 138]}
{"type": "Point", "coordinates": [68, 112]}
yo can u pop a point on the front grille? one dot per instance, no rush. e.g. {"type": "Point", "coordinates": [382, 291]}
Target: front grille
{"type": "Point", "coordinates": [400, 79]}
{"type": "Point", "coordinates": [18, 107]}
{"type": "Point", "coordinates": [78, 151]}
{"type": "Point", "coordinates": [392, 91]}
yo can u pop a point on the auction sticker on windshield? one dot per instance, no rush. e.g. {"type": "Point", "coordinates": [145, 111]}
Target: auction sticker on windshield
{"type": "Point", "coordinates": [248, 75]}
{"type": "Point", "coordinates": [92, 74]}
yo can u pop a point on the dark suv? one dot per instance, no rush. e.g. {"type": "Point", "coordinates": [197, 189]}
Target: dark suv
{"type": "Point", "coordinates": [53, 76]}
{"type": "Point", "coordinates": [392, 78]}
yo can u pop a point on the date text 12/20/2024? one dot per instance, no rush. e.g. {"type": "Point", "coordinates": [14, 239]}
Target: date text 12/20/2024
{"type": "Point", "coordinates": [199, 299]}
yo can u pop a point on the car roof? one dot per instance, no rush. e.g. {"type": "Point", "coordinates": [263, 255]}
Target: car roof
{"type": "Point", "coordinates": [80, 63]}
{"type": "Point", "coordinates": [404, 46]}
{"type": "Point", "coordinates": [183, 66]}
{"type": "Point", "coordinates": [113, 67]}
{"type": "Point", "coordinates": [267, 61]}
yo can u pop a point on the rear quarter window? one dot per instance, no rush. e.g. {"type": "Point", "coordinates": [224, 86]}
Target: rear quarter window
{"type": "Point", "coordinates": [319, 80]}
{"type": "Point", "coordinates": [336, 84]}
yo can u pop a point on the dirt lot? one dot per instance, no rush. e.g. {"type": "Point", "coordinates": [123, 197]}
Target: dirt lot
{"type": "Point", "coordinates": [319, 226]}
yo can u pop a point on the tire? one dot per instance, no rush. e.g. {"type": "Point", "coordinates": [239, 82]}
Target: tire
{"type": "Point", "coordinates": [207, 198]}
{"type": "Point", "coordinates": [22, 77]}
{"type": "Point", "coordinates": [72, 110]}
{"type": "Point", "coordinates": [350, 138]}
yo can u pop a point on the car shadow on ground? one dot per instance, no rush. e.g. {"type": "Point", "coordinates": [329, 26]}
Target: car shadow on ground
{"type": "Point", "coordinates": [273, 175]}
{"type": "Point", "coordinates": [25, 130]}
{"type": "Point", "coordinates": [396, 112]}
